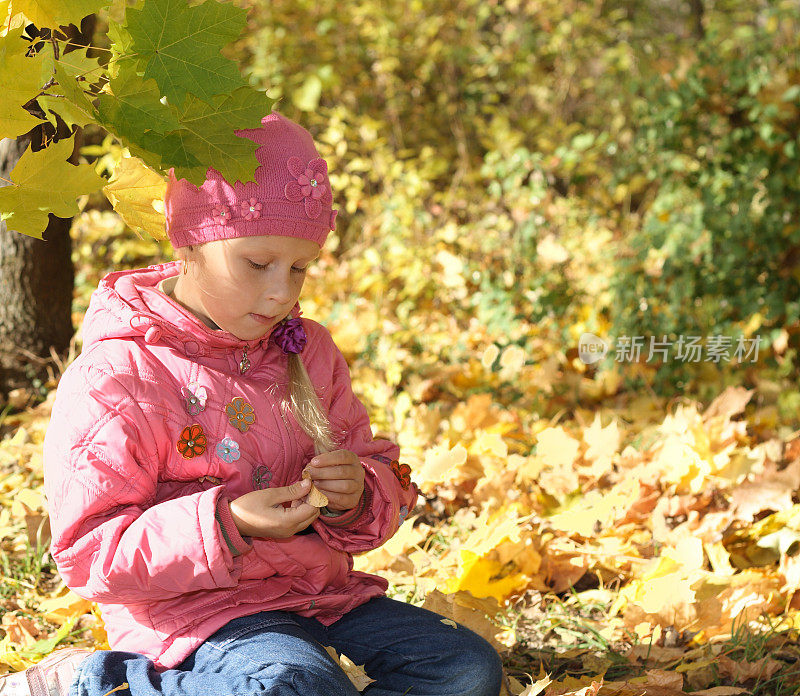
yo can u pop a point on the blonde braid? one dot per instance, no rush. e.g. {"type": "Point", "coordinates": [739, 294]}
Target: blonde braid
{"type": "Point", "coordinates": [307, 408]}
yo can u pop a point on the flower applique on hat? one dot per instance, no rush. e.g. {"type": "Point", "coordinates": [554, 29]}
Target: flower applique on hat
{"type": "Point", "coordinates": [310, 185]}
{"type": "Point", "coordinates": [221, 213]}
{"type": "Point", "coordinates": [251, 209]}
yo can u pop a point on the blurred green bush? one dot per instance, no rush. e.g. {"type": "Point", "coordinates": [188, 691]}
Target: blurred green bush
{"type": "Point", "coordinates": [550, 168]}
{"type": "Point", "coordinates": [717, 248]}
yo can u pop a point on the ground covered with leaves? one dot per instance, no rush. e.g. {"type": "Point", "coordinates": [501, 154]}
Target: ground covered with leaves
{"type": "Point", "coordinates": [604, 540]}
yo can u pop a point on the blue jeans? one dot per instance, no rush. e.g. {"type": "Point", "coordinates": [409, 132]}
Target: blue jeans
{"type": "Point", "coordinates": [404, 648]}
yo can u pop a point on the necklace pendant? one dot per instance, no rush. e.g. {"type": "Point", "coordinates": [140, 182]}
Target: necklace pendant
{"type": "Point", "coordinates": [244, 365]}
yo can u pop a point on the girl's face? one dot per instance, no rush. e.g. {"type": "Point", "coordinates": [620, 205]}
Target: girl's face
{"type": "Point", "coordinates": [245, 285]}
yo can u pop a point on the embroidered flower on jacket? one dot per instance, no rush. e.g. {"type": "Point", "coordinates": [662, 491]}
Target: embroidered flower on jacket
{"type": "Point", "coordinates": [228, 450]}
{"type": "Point", "coordinates": [222, 213]}
{"type": "Point", "coordinates": [240, 414]}
{"type": "Point", "coordinates": [251, 210]}
{"type": "Point", "coordinates": [403, 473]}
{"type": "Point", "coordinates": [195, 397]}
{"type": "Point", "coordinates": [311, 185]}
{"type": "Point", "coordinates": [192, 441]}
{"type": "Point", "coordinates": [290, 335]}
{"type": "Point", "coordinates": [403, 513]}
{"type": "Point", "coordinates": [261, 477]}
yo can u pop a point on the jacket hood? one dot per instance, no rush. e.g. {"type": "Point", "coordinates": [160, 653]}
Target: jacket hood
{"type": "Point", "coordinates": [129, 304]}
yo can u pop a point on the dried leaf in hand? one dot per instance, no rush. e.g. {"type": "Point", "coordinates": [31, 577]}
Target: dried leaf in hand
{"type": "Point", "coordinates": [315, 497]}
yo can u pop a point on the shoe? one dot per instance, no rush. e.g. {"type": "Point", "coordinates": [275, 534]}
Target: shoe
{"type": "Point", "coordinates": [52, 676]}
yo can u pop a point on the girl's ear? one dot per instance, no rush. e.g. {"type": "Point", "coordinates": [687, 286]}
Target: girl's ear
{"type": "Point", "coordinates": [184, 253]}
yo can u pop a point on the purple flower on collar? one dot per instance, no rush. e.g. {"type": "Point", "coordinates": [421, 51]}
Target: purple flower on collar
{"type": "Point", "coordinates": [290, 335]}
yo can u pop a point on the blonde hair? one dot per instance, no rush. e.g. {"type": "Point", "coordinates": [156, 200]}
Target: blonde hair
{"type": "Point", "coordinates": [307, 408]}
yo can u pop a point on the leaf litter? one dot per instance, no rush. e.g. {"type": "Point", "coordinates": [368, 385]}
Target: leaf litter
{"type": "Point", "coordinates": [600, 555]}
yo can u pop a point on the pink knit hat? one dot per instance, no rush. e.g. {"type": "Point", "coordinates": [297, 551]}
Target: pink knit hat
{"type": "Point", "coordinates": [291, 195]}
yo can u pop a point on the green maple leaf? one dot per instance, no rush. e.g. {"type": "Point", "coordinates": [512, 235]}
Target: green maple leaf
{"type": "Point", "coordinates": [20, 77]}
{"type": "Point", "coordinates": [67, 97]}
{"type": "Point", "coordinates": [120, 46]}
{"type": "Point", "coordinates": [44, 182]}
{"type": "Point", "coordinates": [71, 114]}
{"type": "Point", "coordinates": [179, 46]}
{"type": "Point", "coordinates": [132, 110]}
{"type": "Point", "coordinates": [52, 13]}
{"type": "Point", "coordinates": [207, 135]}
{"type": "Point", "coordinates": [80, 66]}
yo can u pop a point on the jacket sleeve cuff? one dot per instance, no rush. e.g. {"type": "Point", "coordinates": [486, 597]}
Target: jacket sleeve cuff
{"type": "Point", "coordinates": [237, 544]}
{"type": "Point", "coordinates": [353, 517]}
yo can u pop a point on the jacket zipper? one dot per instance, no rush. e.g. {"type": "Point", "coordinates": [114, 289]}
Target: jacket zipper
{"type": "Point", "coordinates": [244, 365]}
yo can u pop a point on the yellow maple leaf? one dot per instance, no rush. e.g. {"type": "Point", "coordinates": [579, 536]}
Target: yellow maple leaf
{"type": "Point", "coordinates": [490, 355]}
{"type": "Point", "coordinates": [484, 576]}
{"type": "Point", "coordinates": [603, 443]}
{"type": "Point", "coordinates": [596, 510]}
{"type": "Point", "coordinates": [137, 194]}
{"type": "Point", "coordinates": [536, 687]}
{"type": "Point", "coordinates": [489, 443]}
{"type": "Point", "coordinates": [662, 590]}
{"type": "Point", "coordinates": [442, 464]}
{"type": "Point", "coordinates": [557, 447]}
{"type": "Point", "coordinates": [682, 465]}
{"type": "Point", "coordinates": [470, 611]}
{"type": "Point", "coordinates": [511, 362]}
{"type": "Point", "coordinates": [355, 673]}
{"type": "Point", "coordinates": [409, 535]}
{"type": "Point", "coordinates": [59, 610]}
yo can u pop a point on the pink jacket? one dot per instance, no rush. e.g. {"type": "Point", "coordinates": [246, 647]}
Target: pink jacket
{"type": "Point", "coordinates": [147, 532]}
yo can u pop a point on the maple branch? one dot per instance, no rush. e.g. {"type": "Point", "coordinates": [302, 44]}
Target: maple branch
{"type": "Point", "coordinates": [94, 48]}
{"type": "Point", "coordinates": [86, 72]}
{"type": "Point", "coordinates": [45, 86]}
{"type": "Point", "coordinates": [8, 181]}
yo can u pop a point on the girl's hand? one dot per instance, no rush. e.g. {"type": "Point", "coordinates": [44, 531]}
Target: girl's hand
{"type": "Point", "coordinates": [260, 513]}
{"type": "Point", "coordinates": [340, 476]}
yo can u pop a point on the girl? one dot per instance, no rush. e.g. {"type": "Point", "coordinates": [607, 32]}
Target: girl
{"type": "Point", "coordinates": [176, 463]}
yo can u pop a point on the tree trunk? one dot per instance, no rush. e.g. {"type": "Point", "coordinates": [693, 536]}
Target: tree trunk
{"type": "Point", "coordinates": [36, 276]}
{"type": "Point", "coordinates": [698, 10]}
{"type": "Point", "coordinates": [36, 281]}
